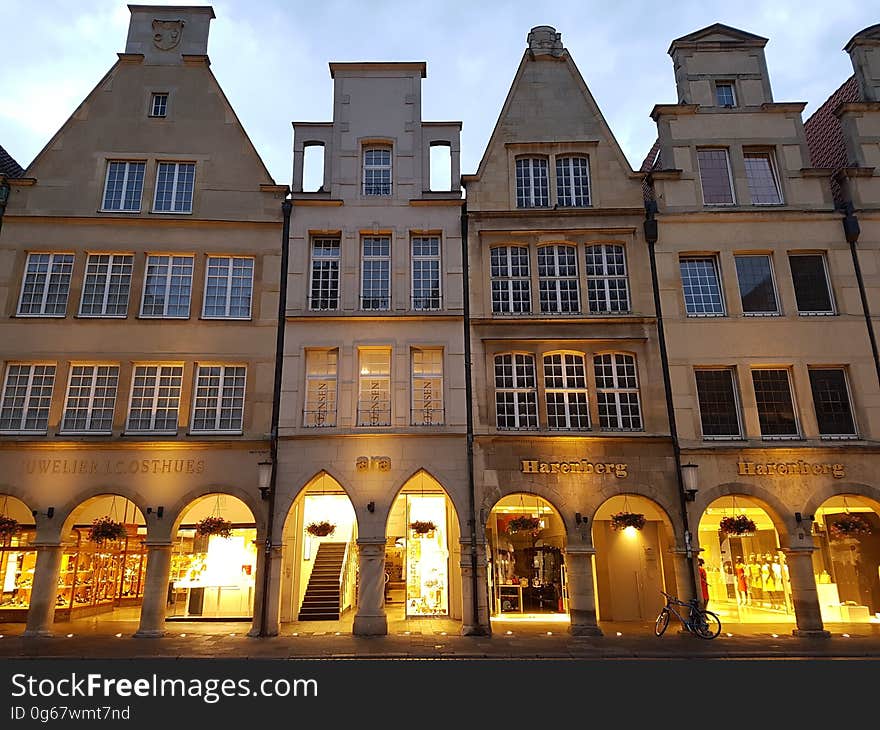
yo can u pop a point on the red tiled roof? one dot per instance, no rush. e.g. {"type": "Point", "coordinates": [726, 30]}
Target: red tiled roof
{"type": "Point", "coordinates": [824, 135]}
{"type": "Point", "coordinates": [652, 159]}
{"type": "Point", "coordinates": [8, 166]}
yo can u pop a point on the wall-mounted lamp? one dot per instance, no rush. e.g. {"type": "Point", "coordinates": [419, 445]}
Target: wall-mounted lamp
{"type": "Point", "coordinates": [689, 481]}
{"type": "Point", "coordinates": [50, 512]}
{"type": "Point", "coordinates": [160, 510]}
{"type": "Point", "coordinates": [265, 478]}
{"type": "Point", "coordinates": [798, 517]}
{"type": "Point", "coordinates": [371, 506]}
{"type": "Point", "coordinates": [578, 519]}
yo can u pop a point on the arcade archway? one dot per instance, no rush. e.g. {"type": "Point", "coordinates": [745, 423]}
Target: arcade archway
{"type": "Point", "coordinates": [17, 559]}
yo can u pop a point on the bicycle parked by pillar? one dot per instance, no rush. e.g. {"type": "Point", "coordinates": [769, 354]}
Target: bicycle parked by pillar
{"type": "Point", "coordinates": [698, 621]}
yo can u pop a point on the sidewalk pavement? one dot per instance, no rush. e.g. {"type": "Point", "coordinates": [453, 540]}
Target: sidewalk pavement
{"type": "Point", "coordinates": [435, 639]}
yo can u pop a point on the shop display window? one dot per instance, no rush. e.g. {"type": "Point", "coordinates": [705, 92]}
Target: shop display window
{"type": "Point", "coordinates": [427, 557]}
{"type": "Point", "coordinates": [17, 562]}
{"type": "Point", "coordinates": [212, 576]}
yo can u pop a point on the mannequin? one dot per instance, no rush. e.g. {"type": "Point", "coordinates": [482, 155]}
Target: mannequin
{"type": "Point", "coordinates": [786, 583]}
{"type": "Point", "coordinates": [755, 587]}
{"type": "Point", "coordinates": [729, 580]}
{"type": "Point", "coordinates": [768, 584]}
{"type": "Point", "coordinates": [742, 583]}
{"type": "Point", "coordinates": [779, 594]}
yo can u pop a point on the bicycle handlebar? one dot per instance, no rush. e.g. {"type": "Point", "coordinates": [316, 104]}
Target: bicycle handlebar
{"type": "Point", "coordinates": [678, 600]}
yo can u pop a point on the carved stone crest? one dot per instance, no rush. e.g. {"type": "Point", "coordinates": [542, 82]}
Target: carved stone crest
{"type": "Point", "coordinates": [166, 33]}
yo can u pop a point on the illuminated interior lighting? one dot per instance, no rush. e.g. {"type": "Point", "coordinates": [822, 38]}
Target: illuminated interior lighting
{"type": "Point", "coordinates": [232, 634]}
{"type": "Point", "coordinates": [619, 634]}
{"type": "Point", "coordinates": [338, 633]}
{"type": "Point", "coordinates": [406, 633]}
{"type": "Point", "coordinates": [549, 633]}
{"type": "Point", "coordinates": [70, 636]}
{"type": "Point", "coordinates": [509, 633]}
{"type": "Point", "coordinates": [845, 636]}
{"type": "Point", "coordinates": [442, 633]}
{"type": "Point", "coordinates": [775, 636]}
{"type": "Point", "coordinates": [295, 633]}
{"type": "Point", "coordinates": [118, 636]}
{"type": "Point", "coordinates": [183, 636]}
{"type": "Point", "coordinates": [729, 634]}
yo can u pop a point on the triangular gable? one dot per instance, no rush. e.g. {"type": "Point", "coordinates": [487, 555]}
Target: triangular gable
{"type": "Point", "coordinates": [871, 33]}
{"type": "Point", "coordinates": [578, 84]}
{"type": "Point", "coordinates": [719, 33]}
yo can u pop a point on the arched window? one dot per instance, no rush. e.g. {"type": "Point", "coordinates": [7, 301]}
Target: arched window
{"type": "Point", "coordinates": [558, 279]}
{"type": "Point", "coordinates": [607, 283]}
{"type": "Point", "coordinates": [617, 392]}
{"type": "Point", "coordinates": [516, 396]}
{"type": "Point", "coordinates": [511, 287]}
{"type": "Point", "coordinates": [565, 386]}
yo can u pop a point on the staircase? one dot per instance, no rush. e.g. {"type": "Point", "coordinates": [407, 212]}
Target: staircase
{"type": "Point", "coordinates": [321, 602]}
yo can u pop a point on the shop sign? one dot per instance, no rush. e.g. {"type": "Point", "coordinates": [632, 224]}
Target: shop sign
{"type": "Point", "coordinates": [373, 463]}
{"type": "Point", "coordinates": [789, 469]}
{"type": "Point", "coordinates": [110, 466]}
{"type": "Point", "coordinates": [533, 466]}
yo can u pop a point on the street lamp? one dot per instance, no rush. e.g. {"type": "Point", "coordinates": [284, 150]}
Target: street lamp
{"type": "Point", "coordinates": [689, 479]}
{"type": "Point", "coordinates": [265, 478]}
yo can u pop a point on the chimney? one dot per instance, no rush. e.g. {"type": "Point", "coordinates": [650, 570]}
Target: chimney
{"type": "Point", "coordinates": [164, 34]}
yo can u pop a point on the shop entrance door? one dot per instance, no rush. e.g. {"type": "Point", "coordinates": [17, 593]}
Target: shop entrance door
{"type": "Point", "coordinates": [635, 574]}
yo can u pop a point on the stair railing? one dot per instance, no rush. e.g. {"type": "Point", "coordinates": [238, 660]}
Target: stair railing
{"type": "Point", "coordinates": [345, 573]}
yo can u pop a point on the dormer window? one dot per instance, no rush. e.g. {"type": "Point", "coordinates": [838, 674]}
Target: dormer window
{"type": "Point", "coordinates": [377, 171]}
{"type": "Point", "coordinates": [159, 105]}
{"type": "Point", "coordinates": [532, 185]}
{"type": "Point", "coordinates": [573, 182]}
{"type": "Point", "coordinates": [724, 94]}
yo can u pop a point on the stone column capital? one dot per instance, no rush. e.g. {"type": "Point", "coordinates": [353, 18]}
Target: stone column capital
{"type": "Point", "coordinates": [158, 544]}
{"type": "Point", "coordinates": [579, 550]}
{"type": "Point", "coordinates": [795, 551]}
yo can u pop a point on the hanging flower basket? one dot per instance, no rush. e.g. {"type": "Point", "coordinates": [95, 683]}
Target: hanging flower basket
{"type": "Point", "coordinates": [214, 526]}
{"type": "Point", "coordinates": [848, 525]}
{"type": "Point", "coordinates": [422, 527]}
{"type": "Point", "coordinates": [8, 527]}
{"type": "Point", "coordinates": [622, 520]}
{"type": "Point", "coordinates": [739, 525]}
{"type": "Point", "coordinates": [524, 523]}
{"type": "Point", "coordinates": [105, 528]}
{"type": "Point", "coordinates": [321, 529]}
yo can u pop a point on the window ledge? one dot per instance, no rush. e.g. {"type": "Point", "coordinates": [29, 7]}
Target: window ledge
{"type": "Point", "coordinates": [236, 319]}
{"type": "Point", "coordinates": [850, 437]}
{"type": "Point", "coordinates": [159, 316]}
{"type": "Point", "coordinates": [705, 316]}
{"type": "Point", "coordinates": [215, 433]}
{"type": "Point", "coordinates": [24, 433]}
{"type": "Point", "coordinates": [23, 315]}
{"type": "Point", "coordinates": [762, 314]}
{"type": "Point", "coordinates": [149, 433]}
{"type": "Point", "coordinates": [84, 433]}
{"type": "Point", "coordinates": [782, 438]}
{"type": "Point", "coordinates": [100, 316]}
{"type": "Point", "coordinates": [171, 212]}
{"type": "Point", "coordinates": [724, 438]}
{"type": "Point", "coordinates": [817, 314]}
{"type": "Point", "coordinates": [119, 210]}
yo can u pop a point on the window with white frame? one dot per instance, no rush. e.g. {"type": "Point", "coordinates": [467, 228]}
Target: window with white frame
{"type": "Point", "coordinates": [607, 280]}
{"type": "Point", "coordinates": [617, 392]}
{"type": "Point", "coordinates": [565, 388]}
{"type": "Point", "coordinates": [719, 407]}
{"type": "Point", "coordinates": [701, 285]}
{"type": "Point", "coordinates": [573, 181]}
{"type": "Point", "coordinates": [427, 386]}
{"type": "Point", "coordinates": [532, 184]}
{"type": "Point", "coordinates": [762, 178]}
{"type": "Point", "coordinates": [229, 286]}
{"type": "Point", "coordinates": [106, 285]}
{"type": "Point", "coordinates": [27, 396]}
{"type": "Point", "coordinates": [776, 413]}
{"type": "Point", "coordinates": [218, 404]}
{"type": "Point", "coordinates": [46, 284]}
{"type": "Point", "coordinates": [159, 105]}
{"type": "Point", "coordinates": [377, 171]}
{"type": "Point", "coordinates": [321, 369]}
{"type": "Point", "coordinates": [91, 399]}
{"type": "Point", "coordinates": [174, 187]}
{"type": "Point", "coordinates": [715, 176]}
{"type": "Point", "coordinates": [511, 283]}
{"type": "Point", "coordinates": [376, 272]}
{"type": "Point", "coordinates": [558, 279]}
{"type": "Point", "coordinates": [324, 286]}
{"type": "Point", "coordinates": [123, 185]}
{"type": "Point", "coordinates": [374, 386]}
{"type": "Point", "coordinates": [167, 286]}
{"type": "Point", "coordinates": [724, 94]}
{"type": "Point", "coordinates": [425, 273]}
{"type": "Point", "coordinates": [155, 398]}
{"type": "Point", "coordinates": [516, 394]}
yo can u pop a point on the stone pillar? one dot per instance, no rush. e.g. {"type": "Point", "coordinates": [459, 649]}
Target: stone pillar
{"type": "Point", "coordinates": [44, 592]}
{"type": "Point", "coordinates": [803, 593]}
{"type": "Point", "coordinates": [273, 596]}
{"type": "Point", "coordinates": [370, 619]}
{"type": "Point", "coordinates": [581, 596]}
{"type": "Point", "coordinates": [152, 625]}
{"type": "Point", "coordinates": [471, 624]}
{"type": "Point", "coordinates": [683, 567]}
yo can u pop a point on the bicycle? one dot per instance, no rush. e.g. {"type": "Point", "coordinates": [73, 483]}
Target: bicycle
{"type": "Point", "coordinates": [698, 621]}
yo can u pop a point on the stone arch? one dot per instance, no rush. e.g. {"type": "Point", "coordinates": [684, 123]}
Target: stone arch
{"type": "Point", "coordinates": [493, 496]}
{"type": "Point", "coordinates": [673, 523]}
{"type": "Point", "coordinates": [837, 489]}
{"type": "Point", "coordinates": [17, 510]}
{"type": "Point", "coordinates": [64, 515]}
{"type": "Point", "coordinates": [175, 514]}
{"type": "Point", "coordinates": [459, 509]}
{"type": "Point", "coordinates": [283, 509]}
{"type": "Point", "coordinates": [780, 514]}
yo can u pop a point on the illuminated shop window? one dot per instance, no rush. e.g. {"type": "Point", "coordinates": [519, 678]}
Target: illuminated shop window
{"type": "Point", "coordinates": [155, 398]}
{"type": "Point", "coordinates": [27, 395]}
{"type": "Point", "coordinates": [427, 386]}
{"type": "Point", "coordinates": [565, 387]}
{"type": "Point", "coordinates": [511, 286]}
{"type": "Point", "coordinates": [617, 392]}
{"type": "Point", "coordinates": [374, 387]}
{"type": "Point", "coordinates": [607, 281]}
{"type": "Point", "coordinates": [558, 279]}
{"type": "Point", "coordinates": [106, 285]}
{"type": "Point", "coordinates": [46, 284]}
{"type": "Point", "coordinates": [516, 396]}
{"type": "Point", "coordinates": [427, 557]}
{"type": "Point", "coordinates": [91, 399]}
{"type": "Point", "coordinates": [320, 410]}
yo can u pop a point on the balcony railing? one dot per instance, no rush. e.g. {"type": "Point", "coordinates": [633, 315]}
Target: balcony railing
{"type": "Point", "coordinates": [374, 413]}
{"type": "Point", "coordinates": [319, 418]}
{"type": "Point", "coordinates": [427, 417]}
{"type": "Point", "coordinates": [380, 304]}
{"type": "Point", "coordinates": [426, 304]}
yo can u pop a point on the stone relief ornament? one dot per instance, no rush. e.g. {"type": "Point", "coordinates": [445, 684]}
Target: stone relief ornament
{"type": "Point", "coordinates": [166, 33]}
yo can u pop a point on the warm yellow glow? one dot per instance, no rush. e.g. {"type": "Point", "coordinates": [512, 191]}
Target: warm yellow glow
{"type": "Point", "coordinates": [630, 532]}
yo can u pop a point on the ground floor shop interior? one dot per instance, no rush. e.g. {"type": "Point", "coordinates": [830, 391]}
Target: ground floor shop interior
{"type": "Point", "coordinates": [213, 576]}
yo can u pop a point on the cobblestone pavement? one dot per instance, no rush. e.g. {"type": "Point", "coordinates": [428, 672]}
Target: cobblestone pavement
{"type": "Point", "coordinates": [433, 639]}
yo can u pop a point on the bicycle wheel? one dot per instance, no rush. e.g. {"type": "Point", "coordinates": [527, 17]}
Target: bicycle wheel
{"type": "Point", "coordinates": [662, 622]}
{"type": "Point", "coordinates": [706, 625]}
